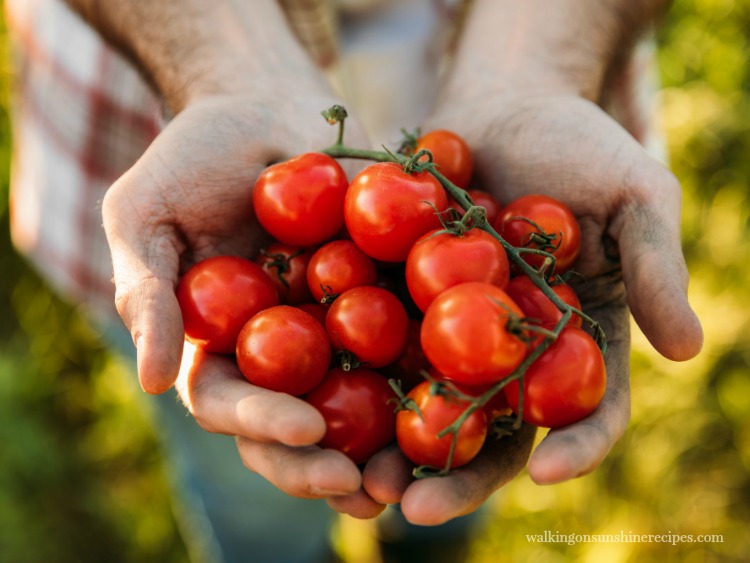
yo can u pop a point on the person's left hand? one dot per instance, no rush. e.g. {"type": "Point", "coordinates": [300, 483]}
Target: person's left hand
{"type": "Point", "coordinates": [387, 479]}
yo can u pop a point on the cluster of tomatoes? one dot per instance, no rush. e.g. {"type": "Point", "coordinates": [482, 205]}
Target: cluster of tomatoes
{"type": "Point", "coordinates": [381, 279]}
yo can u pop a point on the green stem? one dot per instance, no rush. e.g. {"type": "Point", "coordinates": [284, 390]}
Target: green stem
{"type": "Point", "coordinates": [341, 151]}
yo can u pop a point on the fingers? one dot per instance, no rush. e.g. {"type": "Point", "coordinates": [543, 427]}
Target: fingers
{"type": "Point", "coordinates": [359, 505]}
{"type": "Point", "coordinates": [222, 401]}
{"type": "Point", "coordinates": [654, 268]}
{"type": "Point", "coordinates": [579, 448]}
{"type": "Point", "coordinates": [275, 431]}
{"type": "Point", "coordinates": [434, 501]}
{"type": "Point", "coordinates": [305, 472]}
{"type": "Point", "coordinates": [145, 269]}
{"type": "Point", "coordinates": [387, 475]}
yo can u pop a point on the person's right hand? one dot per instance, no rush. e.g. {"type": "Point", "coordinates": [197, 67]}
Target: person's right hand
{"type": "Point", "coordinates": [186, 199]}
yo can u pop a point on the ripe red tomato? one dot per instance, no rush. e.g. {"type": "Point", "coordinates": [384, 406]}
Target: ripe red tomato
{"type": "Point", "coordinates": [358, 407]}
{"type": "Point", "coordinates": [418, 435]}
{"type": "Point", "coordinates": [370, 323]}
{"type": "Point", "coordinates": [565, 384]}
{"type": "Point", "coordinates": [217, 296]}
{"type": "Point", "coordinates": [484, 199]}
{"type": "Point", "coordinates": [466, 336]}
{"type": "Point", "coordinates": [555, 221]}
{"type": "Point", "coordinates": [450, 153]}
{"type": "Point", "coordinates": [284, 349]}
{"type": "Point", "coordinates": [287, 267]}
{"type": "Point", "coordinates": [301, 201]}
{"type": "Point", "coordinates": [387, 210]}
{"type": "Point", "coordinates": [538, 307]}
{"type": "Point", "coordinates": [337, 266]}
{"type": "Point", "coordinates": [438, 261]}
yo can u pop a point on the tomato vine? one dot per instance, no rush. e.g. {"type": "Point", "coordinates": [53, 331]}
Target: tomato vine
{"type": "Point", "coordinates": [475, 217]}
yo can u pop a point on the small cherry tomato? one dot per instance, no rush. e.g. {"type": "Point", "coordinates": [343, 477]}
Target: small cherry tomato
{"type": "Point", "coordinates": [287, 267]}
{"type": "Point", "coordinates": [387, 210]}
{"type": "Point", "coordinates": [537, 307]}
{"type": "Point", "coordinates": [440, 260]}
{"type": "Point", "coordinates": [284, 349]}
{"type": "Point", "coordinates": [217, 296]}
{"type": "Point", "coordinates": [565, 384]}
{"type": "Point", "coordinates": [468, 334]}
{"type": "Point", "coordinates": [337, 266]}
{"type": "Point", "coordinates": [301, 201]}
{"type": "Point", "coordinates": [370, 323]}
{"type": "Point", "coordinates": [417, 431]}
{"type": "Point", "coordinates": [450, 153]}
{"type": "Point", "coordinates": [358, 407]}
{"type": "Point", "coordinates": [542, 223]}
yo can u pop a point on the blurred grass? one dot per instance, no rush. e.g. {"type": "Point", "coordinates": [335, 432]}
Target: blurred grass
{"type": "Point", "coordinates": [80, 473]}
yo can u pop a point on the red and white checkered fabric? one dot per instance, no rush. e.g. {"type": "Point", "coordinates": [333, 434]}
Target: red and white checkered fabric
{"type": "Point", "coordinates": [82, 116]}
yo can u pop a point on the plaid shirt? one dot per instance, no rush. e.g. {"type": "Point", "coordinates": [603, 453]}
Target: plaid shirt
{"type": "Point", "coordinates": [83, 115]}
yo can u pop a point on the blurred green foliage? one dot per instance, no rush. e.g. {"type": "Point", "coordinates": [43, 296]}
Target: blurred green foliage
{"type": "Point", "coordinates": [81, 478]}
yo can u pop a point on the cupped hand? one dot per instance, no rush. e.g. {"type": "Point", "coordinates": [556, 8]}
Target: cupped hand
{"type": "Point", "coordinates": [188, 198]}
{"type": "Point", "coordinates": [387, 479]}
{"type": "Point", "coordinates": [275, 432]}
{"type": "Point", "coordinates": [628, 206]}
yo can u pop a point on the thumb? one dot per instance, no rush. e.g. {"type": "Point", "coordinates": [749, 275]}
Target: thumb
{"type": "Point", "coordinates": [654, 269]}
{"type": "Point", "coordinates": [145, 261]}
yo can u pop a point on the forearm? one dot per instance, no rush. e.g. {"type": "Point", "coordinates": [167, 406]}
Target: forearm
{"type": "Point", "coordinates": [189, 49]}
{"type": "Point", "coordinates": [562, 46]}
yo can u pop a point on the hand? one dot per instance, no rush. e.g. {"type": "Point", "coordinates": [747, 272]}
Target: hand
{"type": "Point", "coordinates": [188, 198]}
{"type": "Point", "coordinates": [628, 206]}
{"type": "Point", "coordinates": [275, 432]}
{"type": "Point", "coordinates": [387, 479]}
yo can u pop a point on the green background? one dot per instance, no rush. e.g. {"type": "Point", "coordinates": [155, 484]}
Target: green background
{"type": "Point", "coordinates": [81, 478]}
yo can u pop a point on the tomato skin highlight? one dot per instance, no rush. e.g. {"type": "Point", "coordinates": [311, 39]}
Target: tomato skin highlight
{"type": "Point", "coordinates": [450, 153]}
{"type": "Point", "coordinates": [217, 296]}
{"type": "Point", "coordinates": [369, 322]}
{"type": "Point", "coordinates": [465, 334]}
{"type": "Point", "coordinates": [301, 201]}
{"type": "Point", "coordinates": [387, 210]}
{"type": "Point", "coordinates": [417, 437]}
{"type": "Point", "coordinates": [553, 217]}
{"type": "Point", "coordinates": [440, 260]}
{"type": "Point", "coordinates": [285, 263]}
{"type": "Point", "coordinates": [359, 411]}
{"type": "Point", "coordinates": [338, 266]}
{"type": "Point", "coordinates": [538, 307]}
{"type": "Point", "coordinates": [284, 349]}
{"type": "Point", "coordinates": [565, 384]}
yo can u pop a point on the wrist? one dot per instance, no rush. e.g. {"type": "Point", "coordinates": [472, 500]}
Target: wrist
{"type": "Point", "coordinates": [189, 50]}
{"type": "Point", "coordinates": [566, 47]}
